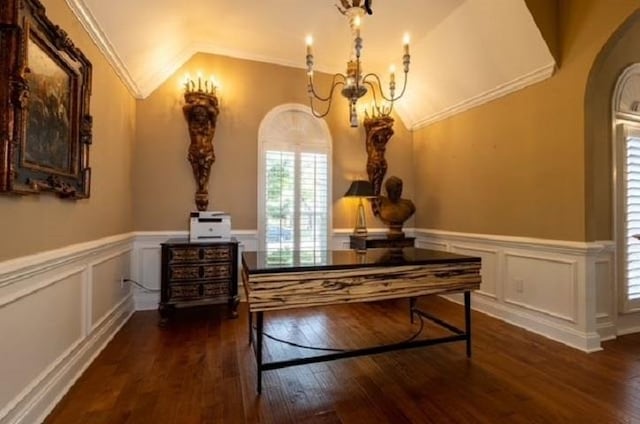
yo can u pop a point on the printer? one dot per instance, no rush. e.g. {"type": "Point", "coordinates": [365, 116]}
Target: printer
{"type": "Point", "coordinates": [207, 226]}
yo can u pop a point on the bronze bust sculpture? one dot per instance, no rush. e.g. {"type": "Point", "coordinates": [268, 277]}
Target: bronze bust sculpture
{"type": "Point", "coordinates": [394, 210]}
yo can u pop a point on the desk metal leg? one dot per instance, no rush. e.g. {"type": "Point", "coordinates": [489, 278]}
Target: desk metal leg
{"type": "Point", "coordinates": [467, 320]}
{"type": "Point", "coordinates": [412, 306]}
{"type": "Point", "coordinates": [259, 329]}
{"type": "Point", "coordinates": [250, 327]}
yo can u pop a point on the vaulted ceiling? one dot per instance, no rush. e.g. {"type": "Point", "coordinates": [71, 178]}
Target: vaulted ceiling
{"type": "Point", "coordinates": [464, 52]}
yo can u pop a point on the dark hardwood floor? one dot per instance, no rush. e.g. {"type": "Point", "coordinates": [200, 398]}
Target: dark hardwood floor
{"type": "Point", "coordinates": [200, 369]}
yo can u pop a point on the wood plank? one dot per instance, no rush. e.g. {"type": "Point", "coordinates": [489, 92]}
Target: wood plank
{"type": "Point", "coordinates": [177, 374]}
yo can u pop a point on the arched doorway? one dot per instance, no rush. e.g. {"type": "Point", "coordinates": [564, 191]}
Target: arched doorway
{"type": "Point", "coordinates": [612, 125]}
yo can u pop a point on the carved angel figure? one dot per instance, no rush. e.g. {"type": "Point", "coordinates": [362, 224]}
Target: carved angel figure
{"type": "Point", "coordinates": [201, 112]}
{"type": "Point", "coordinates": [348, 4]}
{"type": "Point", "coordinates": [379, 130]}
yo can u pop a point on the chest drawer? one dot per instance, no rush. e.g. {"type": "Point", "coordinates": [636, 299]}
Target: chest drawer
{"type": "Point", "coordinates": [190, 254]}
{"type": "Point", "coordinates": [196, 272]}
{"type": "Point", "coordinates": [184, 291]}
{"type": "Point", "coordinates": [198, 291]}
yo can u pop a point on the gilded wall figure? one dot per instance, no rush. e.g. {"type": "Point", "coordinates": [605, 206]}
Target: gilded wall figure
{"type": "Point", "coordinates": [379, 130]}
{"type": "Point", "coordinates": [201, 112]}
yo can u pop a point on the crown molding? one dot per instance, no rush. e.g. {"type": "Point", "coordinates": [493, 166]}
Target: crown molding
{"type": "Point", "coordinates": [142, 89]}
{"type": "Point", "coordinates": [100, 39]}
{"type": "Point", "coordinates": [501, 90]}
{"type": "Point", "coordinates": [154, 80]}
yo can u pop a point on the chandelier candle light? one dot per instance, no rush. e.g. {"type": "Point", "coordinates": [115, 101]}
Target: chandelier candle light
{"type": "Point", "coordinates": [354, 84]}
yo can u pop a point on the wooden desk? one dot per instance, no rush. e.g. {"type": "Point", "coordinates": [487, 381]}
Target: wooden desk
{"type": "Point", "coordinates": [305, 279]}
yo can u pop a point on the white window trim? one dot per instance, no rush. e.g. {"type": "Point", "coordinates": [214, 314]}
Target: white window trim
{"type": "Point", "coordinates": [626, 123]}
{"type": "Point", "coordinates": [266, 139]}
{"type": "Point", "coordinates": [624, 129]}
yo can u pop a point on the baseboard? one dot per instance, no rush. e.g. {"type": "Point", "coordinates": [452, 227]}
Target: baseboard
{"type": "Point", "coordinates": [146, 301]}
{"type": "Point", "coordinates": [587, 342]}
{"type": "Point", "coordinates": [607, 331]}
{"type": "Point", "coordinates": [37, 403]}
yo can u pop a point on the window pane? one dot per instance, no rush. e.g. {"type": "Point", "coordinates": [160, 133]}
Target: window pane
{"type": "Point", "coordinates": [296, 211]}
{"type": "Point", "coordinates": [280, 174]}
{"type": "Point", "coordinates": [632, 217]}
{"type": "Point", "coordinates": [313, 201]}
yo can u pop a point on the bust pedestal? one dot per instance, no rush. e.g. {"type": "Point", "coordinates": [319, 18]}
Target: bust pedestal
{"type": "Point", "coordinates": [364, 242]}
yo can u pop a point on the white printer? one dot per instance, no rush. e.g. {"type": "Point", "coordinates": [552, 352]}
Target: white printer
{"type": "Point", "coordinates": [209, 226]}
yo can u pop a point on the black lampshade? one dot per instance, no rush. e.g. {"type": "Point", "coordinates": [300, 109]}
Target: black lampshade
{"type": "Point", "coordinates": [360, 188]}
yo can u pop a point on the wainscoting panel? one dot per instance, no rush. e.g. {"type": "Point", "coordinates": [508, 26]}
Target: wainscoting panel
{"type": "Point", "coordinates": [490, 271]}
{"type": "Point", "coordinates": [106, 284]}
{"type": "Point", "coordinates": [58, 309]}
{"type": "Point", "coordinates": [545, 286]}
{"type": "Point", "coordinates": [606, 296]}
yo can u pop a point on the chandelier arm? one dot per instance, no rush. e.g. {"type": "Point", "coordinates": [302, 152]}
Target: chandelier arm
{"type": "Point", "coordinates": [389, 99]}
{"type": "Point", "coordinates": [404, 86]}
{"type": "Point", "coordinates": [329, 99]}
{"type": "Point", "coordinates": [334, 84]}
{"type": "Point", "coordinates": [373, 90]}
{"type": "Point", "coordinates": [380, 110]}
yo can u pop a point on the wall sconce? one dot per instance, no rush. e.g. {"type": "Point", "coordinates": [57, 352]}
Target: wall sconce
{"type": "Point", "coordinates": [201, 112]}
{"type": "Point", "coordinates": [360, 189]}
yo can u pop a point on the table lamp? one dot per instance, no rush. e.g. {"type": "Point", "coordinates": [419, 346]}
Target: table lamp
{"type": "Point", "coordinates": [360, 189]}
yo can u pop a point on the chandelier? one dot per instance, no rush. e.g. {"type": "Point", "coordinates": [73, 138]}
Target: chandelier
{"type": "Point", "coordinates": [354, 84]}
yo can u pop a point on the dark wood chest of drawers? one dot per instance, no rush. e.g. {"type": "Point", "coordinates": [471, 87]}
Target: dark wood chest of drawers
{"type": "Point", "coordinates": [198, 273]}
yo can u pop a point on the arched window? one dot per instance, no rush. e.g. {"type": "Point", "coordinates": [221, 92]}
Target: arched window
{"type": "Point", "coordinates": [627, 185]}
{"type": "Point", "coordinates": [294, 183]}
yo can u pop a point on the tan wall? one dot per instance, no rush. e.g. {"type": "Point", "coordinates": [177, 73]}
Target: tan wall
{"type": "Point", "coordinates": [36, 223]}
{"type": "Point", "coordinates": [516, 166]}
{"type": "Point", "coordinates": [162, 179]}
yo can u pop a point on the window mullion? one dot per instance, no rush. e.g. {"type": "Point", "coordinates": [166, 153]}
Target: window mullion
{"type": "Point", "coordinates": [296, 202]}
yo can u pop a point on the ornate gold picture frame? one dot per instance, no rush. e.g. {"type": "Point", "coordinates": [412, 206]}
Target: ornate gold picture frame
{"type": "Point", "coordinates": [45, 124]}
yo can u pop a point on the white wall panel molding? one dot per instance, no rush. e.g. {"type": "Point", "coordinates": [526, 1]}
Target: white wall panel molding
{"type": "Point", "coordinates": [490, 266]}
{"type": "Point", "coordinates": [529, 243]}
{"type": "Point", "coordinates": [606, 294]}
{"type": "Point", "coordinates": [55, 293]}
{"type": "Point", "coordinates": [43, 394]}
{"type": "Point", "coordinates": [550, 276]}
{"type": "Point", "coordinates": [549, 287]}
{"type": "Point", "coordinates": [8, 295]}
{"type": "Point", "coordinates": [14, 270]}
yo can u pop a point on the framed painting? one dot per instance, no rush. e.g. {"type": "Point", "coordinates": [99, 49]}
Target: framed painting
{"type": "Point", "coordinates": [45, 87]}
